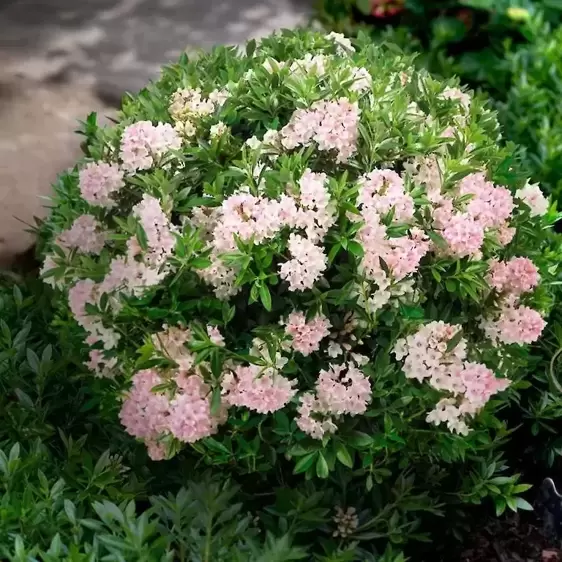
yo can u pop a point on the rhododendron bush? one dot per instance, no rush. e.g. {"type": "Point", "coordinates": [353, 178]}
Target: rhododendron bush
{"type": "Point", "coordinates": [307, 251]}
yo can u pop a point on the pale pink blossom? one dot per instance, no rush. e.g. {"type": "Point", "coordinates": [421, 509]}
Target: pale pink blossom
{"type": "Point", "coordinates": [215, 336]}
{"type": "Point", "coordinates": [463, 235]}
{"type": "Point", "coordinates": [98, 181]}
{"type": "Point", "coordinates": [306, 336]}
{"type": "Point", "coordinates": [382, 191]}
{"type": "Point", "coordinates": [306, 266]}
{"type": "Point", "coordinates": [144, 413]}
{"type": "Point", "coordinates": [100, 365]}
{"type": "Point", "coordinates": [458, 95]}
{"type": "Point", "coordinates": [341, 41]}
{"type": "Point", "coordinates": [262, 392]}
{"type": "Point", "coordinates": [428, 355]}
{"type": "Point", "coordinates": [490, 205]}
{"type": "Point", "coordinates": [142, 143]}
{"type": "Point", "coordinates": [190, 417]}
{"type": "Point", "coordinates": [446, 411]}
{"type": "Point", "coordinates": [480, 383]}
{"type": "Point", "coordinates": [514, 325]}
{"type": "Point", "coordinates": [159, 232]}
{"type": "Point", "coordinates": [310, 418]}
{"type": "Point", "coordinates": [86, 235]}
{"type": "Point", "coordinates": [156, 451]}
{"type": "Point", "coordinates": [533, 197]}
{"type": "Point", "coordinates": [331, 124]}
{"type": "Point", "coordinates": [402, 255]}
{"type": "Point", "coordinates": [189, 104]}
{"type": "Point", "coordinates": [172, 343]}
{"type": "Point", "coordinates": [343, 389]}
{"type": "Point", "coordinates": [516, 276]}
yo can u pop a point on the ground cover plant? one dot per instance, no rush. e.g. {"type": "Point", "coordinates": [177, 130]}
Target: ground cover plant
{"type": "Point", "coordinates": [310, 265]}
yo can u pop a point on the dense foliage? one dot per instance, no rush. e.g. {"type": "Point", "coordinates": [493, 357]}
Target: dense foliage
{"type": "Point", "coordinates": [510, 52]}
{"type": "Point", "coordinates": [312, 259]}
{"type": "Point", "coordinates": [74, 488]}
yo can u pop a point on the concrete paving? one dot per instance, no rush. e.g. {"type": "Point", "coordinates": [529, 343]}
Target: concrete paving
{"type": "Point", "coordinates": [120, 45]}
{"type": "Point", "coordinates": [58, 57]}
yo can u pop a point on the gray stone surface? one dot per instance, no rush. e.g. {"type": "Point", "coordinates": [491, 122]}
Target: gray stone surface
{"type": "Point", "coordinates": [122, 44]}
{"type": "Point", "coordinates": [57, 56]}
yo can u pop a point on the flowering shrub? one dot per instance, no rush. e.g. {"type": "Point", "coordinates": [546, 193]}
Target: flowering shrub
{"type": "Point", "coordinates": [309, 250]}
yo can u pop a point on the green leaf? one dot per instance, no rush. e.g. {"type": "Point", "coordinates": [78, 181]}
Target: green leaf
{"type": "Point", "coordinates": [412, 312]}
{"type": "Point", "coordinates": [486, 5]}
{"type": "Point", "coordinates": [322, 470]}
{"type": "Point", "coordinates": [200, 263]}
{"type": "Point", "coordinates": [360, 440]}
{"type": "Point", "coordinates": [454, 341]}
{"type": "Point", "coordinates": [304, 463]}
{"type": "Point", "coordinates": [500, 506]}
{"type": "Point", "coordinates": [343, 455]}
{"type": "Point", "coordinates": [265, 296]}
{"type": "Point", "coordinates": [70, 511]}
{"type": "Point", "coordinates": [141, 237]}
{"type": "Point", "coordinates": [364, 6]}
{"type": "Point", "coordinates": [216, 446]}
{"type": "Point", "coordinates": [501, 480]}
{"type": "Point", "coordinates": [355, 248]}
{"type": "Point", "coordinates": [450, 285]}
{"type": "Point", "coordinates": [215, 401]}
{"type": "Point", "coordinates": [24, 399]}
{"type": "Point", "coordinates": [523, 504]}
{"type": "Point", "coordinates": [438, 240]}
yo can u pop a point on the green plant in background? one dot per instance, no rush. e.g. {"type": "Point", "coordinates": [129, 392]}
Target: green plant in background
{"type": "Point", "coordinates": [474, 32]}
{"type": "Point", "coordinates": [262, 253]}
{"type": "Point", "coordinates": [509, 50]}
{"type": "Point", "coordinates": [531, 111]}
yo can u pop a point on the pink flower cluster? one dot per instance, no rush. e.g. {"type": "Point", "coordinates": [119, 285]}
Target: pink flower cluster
{"type": "Point", "coordinates": [306, 265]}
{"type": "Point", "coordinates": [215, 336]}
{"type": "Point", "coordinates": [143, 143]}
{"type": "Point", "coordinates": [159, 233]}
{"type": "Point", "coordinates": [86, 292]}
{"type": "Point", "coordinates": [186, 415]}
{"type": "Point", "coordinates": [463, 235]}
{"type": "Point", "coordinates": [250, 387]}
{"type": "Point", "coordinates": [533, 197]}
{"type": "Point", "coordinates": [306, 336]}
{"type": "Point", "coordinates": [257, 219]}
{"type": "Point", "coordinates": [139, 269]}
{"type": "Point", "coordinates": [86, 234]}
{"type": "Point", "coordinates": [126, 274]}
{"type": "Point", "coordinates": [402, 255]}
{"type": "Point", "coordinates": [100, 365]}
{"type": "Point", "coordinates": [427, 355]}
{"type": "Point", "coordinates": [331, 124]}
{"type": "Point", "coordinates": [513, 324]}
{"type": "Point", "coordinates": [316, 215]}
{"type": "Point", "coordinates": [383, 190]}
{"type": "Point", "coordinates": [98, 181]}
{"type": "Point", "coordinates": [342, 389]}
{"type": "Point", "coordinates": [517, 276]}
{"type": "Point", "coordinates": [172, 342]}
{"type": "Point", "coordinates": [489, 208]}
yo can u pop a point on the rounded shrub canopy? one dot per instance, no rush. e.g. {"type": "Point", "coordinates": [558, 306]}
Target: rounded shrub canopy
{"type": "Point", "coordinates": [292, 248]}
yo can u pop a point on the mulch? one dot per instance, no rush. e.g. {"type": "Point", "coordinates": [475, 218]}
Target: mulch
{"type": "Point", "coordinates": [516, 538]}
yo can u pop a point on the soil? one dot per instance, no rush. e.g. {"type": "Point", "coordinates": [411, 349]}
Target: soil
{"type": "Point", "coordinates": [517, 538]}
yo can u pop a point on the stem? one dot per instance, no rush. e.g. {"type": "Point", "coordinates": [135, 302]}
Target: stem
{"type": "Point", "coordinates": [207, 555]}
{"type": "Point", "coordinates": [552, 376]}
